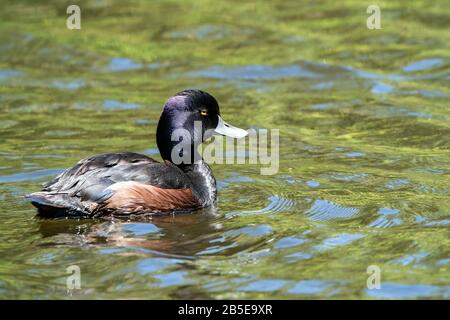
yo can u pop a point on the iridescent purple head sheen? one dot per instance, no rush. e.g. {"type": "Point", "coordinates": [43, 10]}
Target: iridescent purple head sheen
{"type": "Point", "coordinates": [183, 111]}
{"type": "Point", "coordinates": [175, 102]}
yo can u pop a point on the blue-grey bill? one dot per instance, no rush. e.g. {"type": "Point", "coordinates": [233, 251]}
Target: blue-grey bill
{"type": "Point", "coordinates": [230, 131]}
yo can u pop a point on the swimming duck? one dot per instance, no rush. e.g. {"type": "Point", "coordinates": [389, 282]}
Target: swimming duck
{"type": "Point", "coordinates": [128, 183]}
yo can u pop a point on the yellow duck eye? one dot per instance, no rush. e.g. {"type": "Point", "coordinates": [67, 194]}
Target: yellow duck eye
{"type": "Point", "coordinates": [204, 112]}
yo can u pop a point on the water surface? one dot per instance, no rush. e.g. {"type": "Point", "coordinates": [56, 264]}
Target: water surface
{"type": "Point", "coordinates": [364, 147]}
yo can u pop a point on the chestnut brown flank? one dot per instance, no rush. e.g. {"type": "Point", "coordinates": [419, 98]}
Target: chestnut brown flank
{"type": "Point", "coordinates": [133, 196]}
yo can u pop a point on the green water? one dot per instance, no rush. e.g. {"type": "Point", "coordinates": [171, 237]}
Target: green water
{"type": "Point", "coordinates": [364, 147]}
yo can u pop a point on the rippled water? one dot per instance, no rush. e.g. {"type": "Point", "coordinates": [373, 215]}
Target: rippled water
{"type": "Point", "coordinates": [364, 147]}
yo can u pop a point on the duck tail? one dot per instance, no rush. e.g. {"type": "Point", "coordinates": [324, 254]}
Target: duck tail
{"type": "Point", "coordinates": [54, 205]}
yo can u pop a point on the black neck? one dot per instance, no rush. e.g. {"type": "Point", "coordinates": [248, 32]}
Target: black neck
{"type": "Point", "coordinates": [185, 151]}
{"type": "Point", "coordinates": [203, 181]}
{"type": "Point", "coordinates": [198, 171]}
